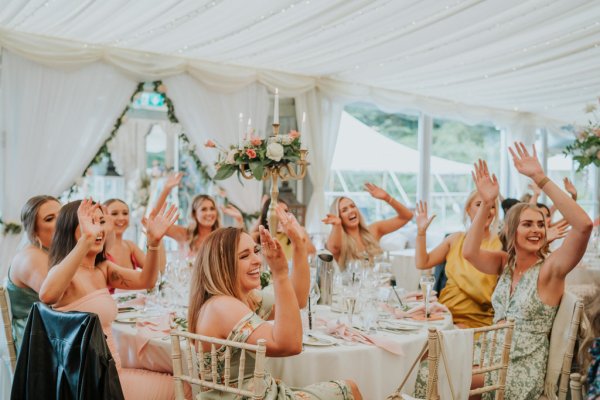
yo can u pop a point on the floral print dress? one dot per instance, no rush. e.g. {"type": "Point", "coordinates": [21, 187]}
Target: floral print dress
{"type": "Point", "coordinates": [530, 342]}
{"type": "Point", "coordinates": [276, 390]}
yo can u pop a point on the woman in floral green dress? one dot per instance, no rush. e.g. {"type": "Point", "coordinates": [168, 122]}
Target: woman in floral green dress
{"type": "Point", "coordinates": [531, 282]}
{"type": "Point", "coordinates": [225, 303]}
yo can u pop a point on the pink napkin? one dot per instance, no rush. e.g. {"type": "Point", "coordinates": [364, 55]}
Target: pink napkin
{"type": "Point", "coordinates": [150, 328]}
{"type": "Point", "coordinates": [348, 334]}
{"type": "Point", "coordinates": [436, 312]}
{"type": "Point", "coordinates": [418, 296]}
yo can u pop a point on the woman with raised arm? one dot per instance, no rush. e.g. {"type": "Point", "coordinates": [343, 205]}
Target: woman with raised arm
{"type": "Point", "coordinates": [351, 238]}
{"type": "Point", "coordinates": [204, 217]}
{"type": "Point", "coordinates": [225, 303]}
{"type": "Point", "coordinates": [79, 278]}
{"type": "Point", "coordinates": [531, 282]}
{"type": "Point", "coordinates": [468, 292]}
{"type": "Point", "coordinates": [29, 266]}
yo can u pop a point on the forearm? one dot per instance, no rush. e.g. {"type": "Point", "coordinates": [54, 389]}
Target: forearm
{"type": "Point", "coordinates": [421, 255]}
{"type": "Point", "coordinates": [59, 276]}
{"type": "Point", "coordinates": [301, 274]}
{"type": "Point", "coordinates": [403, 212]}
{"type": "Point", "coordinates": [162, 198]}
{"type": "Point", "coordinates": [288, 325]}
{"type": "Point", "coordinates": [334, 241]}
{"type": "Point", "coordinates": [571, 211]}
{"type": "Point", "coordinates": [149, 273]}
{"type": "Point", "coordinates": [474, 236]}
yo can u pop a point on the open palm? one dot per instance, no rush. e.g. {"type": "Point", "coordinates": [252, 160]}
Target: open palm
{"type": "Point", "coordinates": [157, 225]}
{"type": "Point", "coordinates": [487, 186]}
{"type": "Point", "coordinates": [88, 223]}
{"type": "Point", "coordinates": [527, 164]}
{"type": "Point", "coordinates": [422, 219]}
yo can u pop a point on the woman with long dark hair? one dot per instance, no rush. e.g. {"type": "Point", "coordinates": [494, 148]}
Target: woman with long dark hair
{"type": "Point", "coordinates": [80, 275]}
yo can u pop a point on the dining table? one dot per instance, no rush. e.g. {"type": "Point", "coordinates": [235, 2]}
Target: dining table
{"type": "Point", "coordinates": [376, 370]}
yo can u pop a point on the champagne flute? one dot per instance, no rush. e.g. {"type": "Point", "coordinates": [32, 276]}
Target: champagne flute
{"type": "Point", "coordinates": [427, 281]}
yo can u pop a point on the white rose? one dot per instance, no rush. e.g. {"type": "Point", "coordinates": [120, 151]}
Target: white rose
{"type": "Point", "coordinates": [275, 151]}
{"type": "Point", "coordinates": [231, 157]}
{"type": "Point", "coordinates": [286, 139]}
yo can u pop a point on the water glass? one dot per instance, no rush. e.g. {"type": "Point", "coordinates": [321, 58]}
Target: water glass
{"type": "Point", "coordinates": [369, 314]}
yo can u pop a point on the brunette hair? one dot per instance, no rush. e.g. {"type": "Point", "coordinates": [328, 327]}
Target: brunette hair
{"type": "Point", "coordinates": [29, 214]}
{"type": "Point", "coordinates": [215, 271]}
{"type": "Point", "coordinates": [64, 240]}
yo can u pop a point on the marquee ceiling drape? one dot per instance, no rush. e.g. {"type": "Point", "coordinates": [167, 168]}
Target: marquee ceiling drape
{"type": "Point", "coordinates": [506, 60]}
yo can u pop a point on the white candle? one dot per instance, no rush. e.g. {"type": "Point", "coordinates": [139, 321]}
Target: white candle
{"type": "Point", "coordinates": [276, 107]}
{"type": "Point", "coordinates": [241, 131]}
{"type": "Point", "coordinates": [249, 131]}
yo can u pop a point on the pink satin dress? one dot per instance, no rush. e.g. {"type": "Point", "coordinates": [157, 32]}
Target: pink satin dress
{"type": "Point", "coordinates": [136, 383]}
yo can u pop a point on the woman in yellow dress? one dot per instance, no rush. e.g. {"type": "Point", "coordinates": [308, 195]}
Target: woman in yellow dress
{"type": "Point", "coordinates": [468, 292]}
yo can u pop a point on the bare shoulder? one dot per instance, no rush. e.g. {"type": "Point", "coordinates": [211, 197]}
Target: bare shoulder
{"type": "Point", "coordinates": [452, 238]}
{"type": "Point", "coordinates": [219, 315]}
{"type": "Point", "coordinates": [28, 258]}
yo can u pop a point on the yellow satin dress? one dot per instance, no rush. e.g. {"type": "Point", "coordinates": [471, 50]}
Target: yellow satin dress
{"type": "Point", "coordinates": [468, 292]}
{"type": "Point", "coordinates": [285, 244]}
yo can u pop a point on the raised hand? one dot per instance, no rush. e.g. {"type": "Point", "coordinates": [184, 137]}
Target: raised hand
{"type": "Point", "coordinates": [173, 180]}
{"type": "Point", "coordinates": [331, 219]}
{"type": "Point", "coordinates": [535, 188]}
{"type": "Point", "coordinates": [377, 192]}
{"type": "Point", "coordinates": [290, 226]}
{"type": "Point", "coordinates": [422, 219]}
{"type": "Point", "coordinates": [526, 164]}
{"type": "Point", "coordinates": [159, 222]}
{"type": "Point", "coordinates": [557, 231]}
{"type": "Point", "coordinates": [232, 212]}
{"type": "Point", "coordinates": [89, 222]}
{"type": "Point", "coordinates": [487, 186]}
{"type": "Point", "coordinates": [273, 252]}
{"type": "Point", "coordinates": [570, 187]}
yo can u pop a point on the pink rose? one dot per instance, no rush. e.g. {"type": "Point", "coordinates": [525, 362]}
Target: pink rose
{"type": "Point", "coordinates": [598, 155]}
{"type": "Point", "coordinates": [255, 140]}
{"type": "Point", "coordinates": [210, 143]}
{"type": "Point", "coordinates": [294, 134]}
{"type": "Point", "coordinates": [597, 132]}
{"type": "Point", "coordinates": [251, 153]}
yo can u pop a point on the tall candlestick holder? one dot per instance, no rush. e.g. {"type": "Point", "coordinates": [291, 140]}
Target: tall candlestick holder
{"type": "Point", "coordinates": [276, 172]}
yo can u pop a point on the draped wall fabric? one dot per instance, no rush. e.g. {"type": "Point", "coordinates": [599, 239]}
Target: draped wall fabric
{"type": "Point", "coordinates": [206, 115]}
{"type": "Point", "coordinates": [54, 122]}
{"type": "Point", "coordinates": [322, 125]}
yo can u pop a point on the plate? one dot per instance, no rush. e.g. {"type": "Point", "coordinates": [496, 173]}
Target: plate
{"type": "Point", "coordinates": [127, 320]}
{"type": "Point", "coordinates": [399, 326]}
{"type": "Point", "coordinates": [314, 340]}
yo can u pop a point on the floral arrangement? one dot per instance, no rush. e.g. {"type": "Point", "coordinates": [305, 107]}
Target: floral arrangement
{"type": "Point", "coordinates": [256, 154]}
{"type": "Point", "coordinates": [586, 148]}
{"type": "Point", "coordinates": [10, 228]}
{"type": "Point", "coordinates": [265, 279]}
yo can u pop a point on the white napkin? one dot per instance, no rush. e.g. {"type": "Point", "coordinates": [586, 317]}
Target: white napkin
{"type": "Point", "coordinates": [456, 344]}
{"type": "Point", "coordinates": [559, 336]}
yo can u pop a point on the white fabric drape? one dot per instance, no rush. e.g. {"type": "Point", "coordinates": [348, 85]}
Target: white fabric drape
{"type": "Point", "coordinates": [128, 147]}
{"type": "Point", "coordinates": [54, 122]}
{"type": "Point", "coordinates": [206, 115]}
{"type": "Point", "coordinates": [322, 124]}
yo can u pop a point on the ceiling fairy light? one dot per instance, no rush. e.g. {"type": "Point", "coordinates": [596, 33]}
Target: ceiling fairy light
{"type": "Point", "coordinates": [243, 29]}
{"type": "Point", "coordinates": [172, 23]}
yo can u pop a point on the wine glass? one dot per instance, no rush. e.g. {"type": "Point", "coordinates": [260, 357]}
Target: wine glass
{"type": "Point", "coordinates": [369, 314]}
{"type": "Point", "coordinates": [383, 269]}
{"type": "Point", "coordinates": [427, 281]}
{"type": "Point", "coordinates": [350, 295]}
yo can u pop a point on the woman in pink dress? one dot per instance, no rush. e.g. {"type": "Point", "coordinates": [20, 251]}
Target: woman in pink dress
{"type": "Point", "coordinates": [79, 277]}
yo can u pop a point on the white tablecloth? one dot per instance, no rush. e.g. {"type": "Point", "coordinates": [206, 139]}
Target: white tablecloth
{"type": "Point", "coordinates": [376, 371]}
{"type": "Point", "coordinates": [404, 269]}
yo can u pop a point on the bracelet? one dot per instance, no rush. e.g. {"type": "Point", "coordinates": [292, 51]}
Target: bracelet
{"type": "Point", "coordinates": [542, 182]}
{"type": "Point", "coordinates": [153, 248]}
{"type": "Point", "coordinates": [390, 199]}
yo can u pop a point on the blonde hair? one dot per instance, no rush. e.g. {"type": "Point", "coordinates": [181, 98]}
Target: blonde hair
{"type": "Point", "coordinates": [511, 225]}
{"type": "Point", "coordinates": [215, 272]}
{"type": "Point", "coordinates": [466, 219]}
{"type": "Point", "coordinates": [194, 228]}
{"type": "Point", "coordinates": [349, 246]}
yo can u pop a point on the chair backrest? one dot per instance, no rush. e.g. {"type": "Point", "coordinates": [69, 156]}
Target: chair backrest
{"type": "Point", "coordinates": [210, 378]}
{"type": "Point", "coordinates": [485, 363]}
{"type": "Point", "coordinates": [7, 325]}
{"type": "Point", "coordinates": [576, 387]}
{"type": "Point", "coordinates": [563, 386]}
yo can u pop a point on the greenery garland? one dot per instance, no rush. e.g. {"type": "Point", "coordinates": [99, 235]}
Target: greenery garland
{"type": "Point", "coordinates": [159, 87]}
{"type": "Point", "coordinates": [10, 228]}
